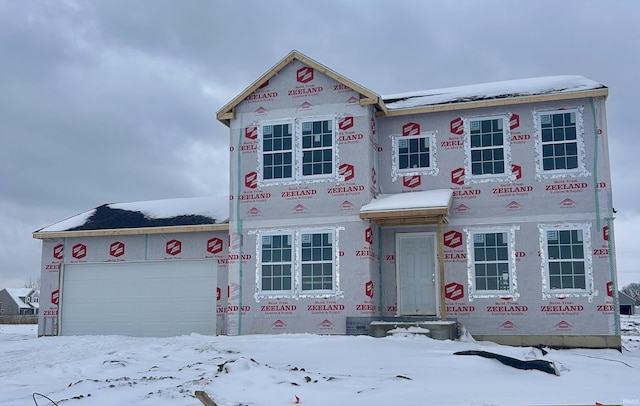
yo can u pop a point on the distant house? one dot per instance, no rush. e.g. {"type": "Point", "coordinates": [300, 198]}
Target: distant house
{"type": "Point", "coordinates": [627, 304]}
{"type": "Point", "coordinates": [487, 205]}
{"type": "Point", "coordinates": [19, 301]}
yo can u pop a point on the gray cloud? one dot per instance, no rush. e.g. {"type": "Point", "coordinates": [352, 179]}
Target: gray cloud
{"type": "Point", "coordinates": [115, 101]}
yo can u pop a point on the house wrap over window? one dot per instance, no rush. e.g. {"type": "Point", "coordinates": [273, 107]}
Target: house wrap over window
{"type": "Point", "coordinates": [297, 263]}
{"type": "Point", "coordinates": [491, 262]}
{"type": "Point", "coordinates": [296, 150]}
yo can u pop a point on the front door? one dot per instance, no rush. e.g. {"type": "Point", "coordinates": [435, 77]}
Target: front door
{"type": "Point", "coordinates": [416, 273]}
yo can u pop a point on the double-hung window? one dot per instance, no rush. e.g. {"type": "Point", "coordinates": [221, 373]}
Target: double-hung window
{"type": "Point", "coordinates": [297, 263]}
{"type": "Point", "coordinates": [276, 273]}
{"type": "Point", "coordinates": [491, 262]}
{"type": "Point", "coordinates": [413, 155]}
{"type": "Point", "coordinates": [298, 149]}
{"type": "Point", "coordinates": [486, 140]}
{"type": "Point", "coordinates": [566, 261]}
{"type": "Point", "coordinates": [277, 151]}
{"type": "Point", "coordinates": [560, 142]}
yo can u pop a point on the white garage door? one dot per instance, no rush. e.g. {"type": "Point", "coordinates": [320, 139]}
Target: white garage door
{"type": "Point", "coordinates": [151, 298]}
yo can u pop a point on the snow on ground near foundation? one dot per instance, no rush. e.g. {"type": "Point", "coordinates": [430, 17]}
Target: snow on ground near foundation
{"type": "Point", "coordinates": [319, 370]}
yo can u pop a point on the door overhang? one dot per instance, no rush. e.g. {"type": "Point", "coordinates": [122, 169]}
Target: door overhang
{"type": "Point", "coordinates": [416, 208]}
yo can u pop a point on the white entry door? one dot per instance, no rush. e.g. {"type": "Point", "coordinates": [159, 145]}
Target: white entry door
{"type": "Point", "coordinates": [416, 273]}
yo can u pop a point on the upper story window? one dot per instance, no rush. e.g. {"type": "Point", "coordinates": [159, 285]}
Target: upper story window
{"type": "Point", "coordinates": [297, 263]}
{"type": "Point", "coordinates": [488, 153]}
{"type": "Point", "coordinates": [560, 142]}
{"type": "Point", "coordinates": [413, 155]}
{"type": "Point", "coordinates": [296, 150]}
{"type": "Point", "coordinates": [277, 151]}
{"type": "Point", "coordinates": [565, 251]}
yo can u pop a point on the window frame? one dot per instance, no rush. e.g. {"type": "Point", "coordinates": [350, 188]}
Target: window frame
{"type": "Point", "coordinates": [291, 262]}
{"type": "Point", "coordinates": [512, 292]}
{"type": "Point", "coordinates": [297, 262]}
{"type": "Point", "coordinates": [547, 291]}
{"type": "Point", "coordinates": [297, 151]}
{"type": "Point", "coordinates": [580, 170]}
{"type": "Point", "coordinates": [507, 175]}
{"type": "Point", "coordinates": [432, 169]}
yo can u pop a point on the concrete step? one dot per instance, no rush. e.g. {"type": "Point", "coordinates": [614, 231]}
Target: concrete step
{"type": "Point", "coordinates": [437, 329]}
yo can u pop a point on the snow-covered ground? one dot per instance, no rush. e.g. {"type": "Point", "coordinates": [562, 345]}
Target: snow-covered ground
{"type": "Point", "coordinates": [305, 369]}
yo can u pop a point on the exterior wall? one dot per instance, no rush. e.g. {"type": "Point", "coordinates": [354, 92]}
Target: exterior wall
{"type": "Point", "coordinates": [299, 92]}
{"type": "Point", "coordinates": [144, 247]}
{"type": "Point", "coordinates": [524, 202]}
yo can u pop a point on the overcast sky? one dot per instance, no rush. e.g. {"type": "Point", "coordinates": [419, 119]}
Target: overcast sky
{"type": "Point", "coordinates": [115, 101]}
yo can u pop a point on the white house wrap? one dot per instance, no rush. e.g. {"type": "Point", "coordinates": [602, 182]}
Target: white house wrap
{"type": "Point", "coordinates": [488, 204]}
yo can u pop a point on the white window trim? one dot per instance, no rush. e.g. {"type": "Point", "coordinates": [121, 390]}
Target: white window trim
{"type": "Point", "coordinates": [581, 170]}
{"type": "Point", "coordinates": [297, 177]}
{"type": "Point", "coordinates": [513, 280]}
{"type": "Point", "coordinates": [508, 175]}
{"type": "Point", "coordinates": [296, 292]}
{"type": "Point", "coordinates": [395, 159]}
{"type": "Point", "coordinates": [589, 290]}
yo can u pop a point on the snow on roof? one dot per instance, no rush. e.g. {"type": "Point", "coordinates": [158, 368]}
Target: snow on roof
{"type": "Point", "coordinates": [427, 199]}
{"type": "Point", "coordinates": [17, 293]}
{"type": "Point", "coordinates": [151, 213]}
{"type": "Point", "coordinates": [493, 90]}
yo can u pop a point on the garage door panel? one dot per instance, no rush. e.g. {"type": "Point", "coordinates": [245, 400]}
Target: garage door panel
{"type": "Point", "coordinates": [153, 298]}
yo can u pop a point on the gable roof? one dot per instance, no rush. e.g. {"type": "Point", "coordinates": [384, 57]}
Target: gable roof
{"type": "Point", "coordinates": [227, 113]}
{"type": "Point", "coordinates": [148, 217]}
{"type": "Point", "coordinates": [17, 293]}
{"type": "Point", "coordinates": [453, 98]}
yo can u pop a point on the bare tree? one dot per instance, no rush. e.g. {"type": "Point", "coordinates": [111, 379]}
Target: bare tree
{"type": "Point", "coordinates": [33, 283]}
{"type": "Point", "coordinates": [633, 291]}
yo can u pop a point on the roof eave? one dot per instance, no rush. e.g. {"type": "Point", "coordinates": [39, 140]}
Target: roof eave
{"type": "Point", "coordinates": [601, 92]}
{"type": "Point", "coordinates": [43, 235]}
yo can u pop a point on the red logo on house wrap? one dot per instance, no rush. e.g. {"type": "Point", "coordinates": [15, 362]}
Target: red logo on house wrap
{"type": "Point", "coordinates": [251, 180]}
{"type": "Point", "coordinates": [452, 239]}
{"type": "Point", "coordinates": [563, 325]}
{"type": "Point", "coordinates": [517, 171]}
{"type": "Point", "coordinates": [173, 247]}
{"type": "Point", "coordinates": [214, 245]}
{"type": "Point", "coordinates": [610, 288]}
{"type": "Point", "coordinates": [345, 123]}
{"type": "Point", "coordinates": [279, 324]}
{"type": "Point", "coordinates": [352, 100]}
{"type": "Point", "coordinates": [457, 126]}
{"type": "Point", "coordinates": [261, 110]}
{"type": "Point", "coordinates": [410, 129]}
{"type": "Point", "coordinates": [218, 293]}
{"type": "Point", "coordinates": [457, 176]}
{"type": "Point", "coordinates": [513, 205]}
{"type": "Point", "coordinates": [508, 325]}
{"type": "Point", "coordinates": [411, 181]}
{"type": "Point", "coordinates": [368, 289]}
{"type": "Point", "coordinates": [116, 249]}
{"type": "Point", "coordinates": [368, 235]}
{"type": "Point", "coordinates": [58, 250]}
{"type": "Point", "coordinates": [347, 170]}
{"type": "Point", "coordinates": [304, 74]}
{"type": "Point", "coordinates": [567, 203]}
{"type": "Point", "coordinates": [251, 132]}
{"type": "Point", "coordinates": [605, 233]}
{"type": "Point", "coordinates": [55, 295]}
{"type": "Point", "coordinates": [514, 121]}
{"type": "Point", "coordinates": [79, 251]}
{"type": "Point", "coordinates": [454, 291]}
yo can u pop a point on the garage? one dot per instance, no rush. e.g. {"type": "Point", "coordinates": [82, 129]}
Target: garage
{"type": "Point", "coordinates": [139, 298]}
